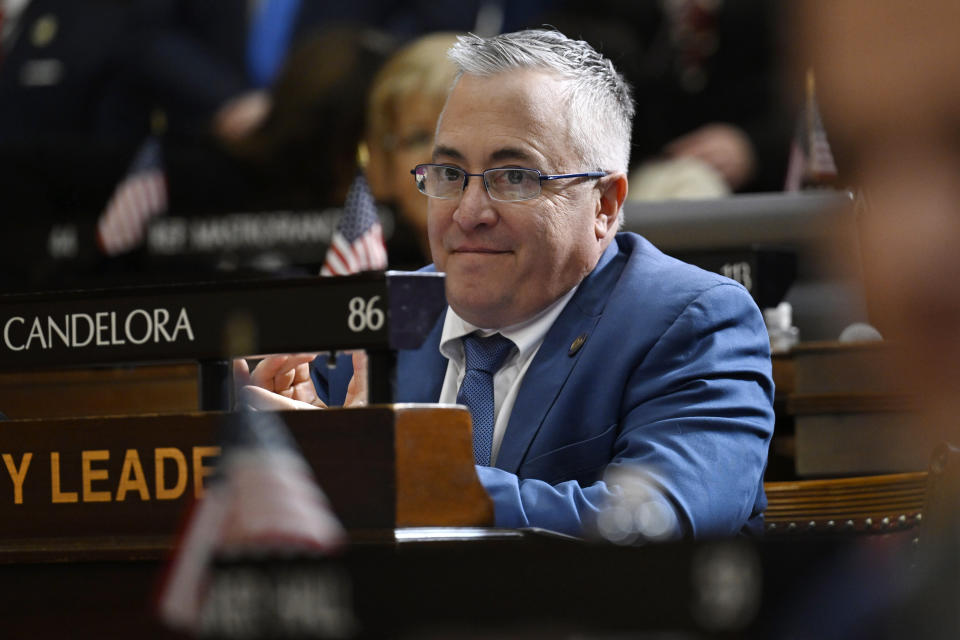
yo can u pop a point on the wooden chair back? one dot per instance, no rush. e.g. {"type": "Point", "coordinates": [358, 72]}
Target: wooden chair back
{"type": "Point", "coordinates": [865, 504]}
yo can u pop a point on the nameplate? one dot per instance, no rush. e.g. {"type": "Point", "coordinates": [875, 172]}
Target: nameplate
{"type": "Point", "coordinates": [218, 320]}
{"type": "Point", "coordinates": [137, 475]}
{"type": "Point", "coordinates": [134, 477]}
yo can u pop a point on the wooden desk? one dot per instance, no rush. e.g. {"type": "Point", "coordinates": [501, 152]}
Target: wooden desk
{"type": "Point", "coordinates": [104, 391]}
{"type": "Point", "coordinates": [117, 487]}
{"type": "Point", "coordinates": [519, 584]}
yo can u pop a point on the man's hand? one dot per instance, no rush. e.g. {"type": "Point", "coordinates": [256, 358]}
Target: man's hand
{"type": "Point", "coordinates": [357, 389]}
{"type": "Point", "coordinates": [284, 382]}
{"type": "Point", "coordinates": [725, 147]}
{"type": "Point", "coordinates": [277, 382]}
{"type": "Point", "coordinates": [241, 115]}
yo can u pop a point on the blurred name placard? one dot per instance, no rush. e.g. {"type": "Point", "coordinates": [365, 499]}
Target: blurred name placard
{"type": "Point", "coordinates": [306, 232]}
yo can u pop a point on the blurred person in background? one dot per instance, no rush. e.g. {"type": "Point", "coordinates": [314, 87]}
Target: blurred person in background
{"type": "Point", "coordinates": [304, 152]}
{"type": "Point", "coordinates": [68, 120]}
{"type": "Point", "coordinates": [887, 83]}
{"type": "Point", "coordinates": [212, 64]}
{"type": "Point", "coordinates": [710, 116]}
{"type": "Point", "coordinates": [405, 100]}
{"type": "Point", "coordinates": [886, 76]}
{"type": "Point", "coordinates": [61, 72]}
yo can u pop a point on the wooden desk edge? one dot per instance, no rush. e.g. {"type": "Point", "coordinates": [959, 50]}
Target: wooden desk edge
{"type": "Point", "coordinates": [437, 483]}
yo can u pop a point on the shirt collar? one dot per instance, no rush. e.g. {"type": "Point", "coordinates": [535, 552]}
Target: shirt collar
{"type": "Point", "coordinates": [526, 335]}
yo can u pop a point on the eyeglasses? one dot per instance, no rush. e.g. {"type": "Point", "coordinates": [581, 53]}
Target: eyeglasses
{"type": "Point", "coordinates": [507, 184]}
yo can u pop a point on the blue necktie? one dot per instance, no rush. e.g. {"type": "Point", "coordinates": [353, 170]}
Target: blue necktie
{"type": "Point", "coordinates": [484, 356]}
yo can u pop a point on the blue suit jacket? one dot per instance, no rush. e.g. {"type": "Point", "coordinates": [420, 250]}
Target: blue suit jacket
{"type": "Point", "coordinates": [674, 376]}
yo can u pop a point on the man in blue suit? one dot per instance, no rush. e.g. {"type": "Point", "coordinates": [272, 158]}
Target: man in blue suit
{"type": "Point", "coordinates": [619, 357]}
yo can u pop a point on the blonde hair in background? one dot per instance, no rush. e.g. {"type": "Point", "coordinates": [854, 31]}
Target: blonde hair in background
{"type": "Point", "coordinates": [420, 68]}
{"type": "Point", "coordinates": [403, 105]}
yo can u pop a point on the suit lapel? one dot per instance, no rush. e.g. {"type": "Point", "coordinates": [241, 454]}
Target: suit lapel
{"type": "Point", "coordinates": [541, 385]}
{"type": "Point", "coordinates": [420, 372]}
{"type": "Point", "coordinates": [553, 364]}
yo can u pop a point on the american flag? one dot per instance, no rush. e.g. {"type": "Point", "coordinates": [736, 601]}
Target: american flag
{"type": "Point", "coordinates": [140, 195]}
{"type": "Point", "coordinates": [262, 498]}
{"type": "Point", "coordinates": [357, 243]}
{"type": "Point", "coordinates": [811, 160]}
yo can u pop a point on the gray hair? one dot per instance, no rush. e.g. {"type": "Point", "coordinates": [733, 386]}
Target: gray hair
{"type": "Point", "coordinates": [599, 101]}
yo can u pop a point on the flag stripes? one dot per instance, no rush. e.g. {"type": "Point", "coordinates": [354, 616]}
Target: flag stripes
{"type": "Point", "coordinates": [357, 244]}
{"type": "Point", "coordinates": [811, 160]}
{"type": "Point", "coordinates": [344, 258]}
{"type": "Point", "coordinates": [141, 195]}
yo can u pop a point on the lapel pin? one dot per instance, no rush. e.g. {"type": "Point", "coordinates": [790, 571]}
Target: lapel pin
{"type": "Point", "coordinates": [576, 344]}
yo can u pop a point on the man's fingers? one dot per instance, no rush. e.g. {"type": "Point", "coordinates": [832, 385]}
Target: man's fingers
{"type": "Point", "coordinates": [259, 399]}
{"type": "Point", "coordinates": [279, 372]}
{"type": "Point", "coordinates": [271, 366]}
{"type": "Point", "coordinates": [286, 378]}
{"type": "Point", "coordinates": [357, 389]}
{"type": "Point", "coordinates": [304, 391]}
{"type": "Point", "coordinates": [241, 372]}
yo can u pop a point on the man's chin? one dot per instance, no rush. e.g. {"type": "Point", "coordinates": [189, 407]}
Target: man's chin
{"type": "Point", "coordinates": [479, 263]}
{"type": "Point", "coordinates": [477, 306]}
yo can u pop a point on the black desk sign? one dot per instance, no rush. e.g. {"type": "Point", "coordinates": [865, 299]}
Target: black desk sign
{"type": "Point", "coordinates": [765, 272]}
{"type": "Point", "coordinates": [211, 321]}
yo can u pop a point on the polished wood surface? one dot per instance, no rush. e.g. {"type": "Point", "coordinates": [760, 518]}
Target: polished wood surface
{"type": "Point", "coordinates": [436, 481]}
{"type": "Point", "coordinates": [849, 413]}
{"type": "Point", "coordinates": [64, 393]}
{"type": "Point", "coordinates": [846, 367]}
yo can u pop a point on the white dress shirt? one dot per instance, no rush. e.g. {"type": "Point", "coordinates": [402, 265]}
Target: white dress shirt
{"type": "Point", "coordinates": [526, 336]}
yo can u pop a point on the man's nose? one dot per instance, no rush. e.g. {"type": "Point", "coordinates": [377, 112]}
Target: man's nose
{"type": "Point", "coordinates": [476, 207]}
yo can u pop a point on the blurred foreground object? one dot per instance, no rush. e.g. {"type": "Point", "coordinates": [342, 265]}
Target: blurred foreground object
{"type": "Point", "coordinates": [637, 513]}
{"type": "Point", "coordinates": [853, 413]}
{"type": "Point", "coordinates": [887, 84]}
{"type": "Point", "coordinates": [262, 501]}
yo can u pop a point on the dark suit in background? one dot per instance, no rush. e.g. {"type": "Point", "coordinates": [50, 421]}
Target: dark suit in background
{"type": "Point", "coordinates": [726, 68]}
{"type": "Point", "coordinates": [67, 122]}
{"type": "Point", "coordinates": [60, 72]}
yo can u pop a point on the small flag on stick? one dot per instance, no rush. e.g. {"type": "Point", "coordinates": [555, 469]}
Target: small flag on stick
{"type": "Point", "coordinates": [140, 195]}
{"type": "Point", "coordinates": [357, 243]}
{"type": "Point", "coordinates": [811, 161]}
{"type": "Point", "coordinates": [261, 499]}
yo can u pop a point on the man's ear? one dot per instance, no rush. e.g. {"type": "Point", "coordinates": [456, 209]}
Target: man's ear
{"type": "Point", "coordinates": [613, 192]}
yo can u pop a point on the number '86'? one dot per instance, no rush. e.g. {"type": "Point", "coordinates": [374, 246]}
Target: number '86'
{"type": "Point", "coordinates": [364, 315]}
